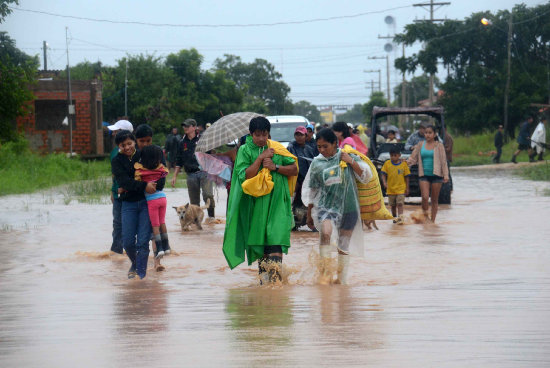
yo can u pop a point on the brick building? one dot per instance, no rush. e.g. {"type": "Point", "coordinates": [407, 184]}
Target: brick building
{"type": "Point", "coordinates": [44, 127]}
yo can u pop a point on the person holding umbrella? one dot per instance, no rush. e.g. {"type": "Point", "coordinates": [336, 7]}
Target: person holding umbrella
{"type": "Point", "coordinates": [197, 179]}
{"type": "Point", "coordinates": [259, 214]}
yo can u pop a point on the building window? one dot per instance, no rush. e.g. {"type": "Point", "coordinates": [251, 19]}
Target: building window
{"type": "Point", "coordinates": [49, 114]}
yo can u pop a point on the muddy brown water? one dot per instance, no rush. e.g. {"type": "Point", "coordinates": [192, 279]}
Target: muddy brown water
{"type": "Point", "coordinates": [471, 290]}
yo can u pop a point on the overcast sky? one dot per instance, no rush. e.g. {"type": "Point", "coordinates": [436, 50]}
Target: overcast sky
{"type": "Point", "coordinates": [322, 59]}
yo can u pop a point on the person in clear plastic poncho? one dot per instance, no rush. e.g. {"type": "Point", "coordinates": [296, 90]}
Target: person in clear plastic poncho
{"type": "Point", "coordinates": [330, 192]}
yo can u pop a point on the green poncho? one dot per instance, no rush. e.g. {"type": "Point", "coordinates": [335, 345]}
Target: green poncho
{"type": "Point", "coordinates": [254, 222]}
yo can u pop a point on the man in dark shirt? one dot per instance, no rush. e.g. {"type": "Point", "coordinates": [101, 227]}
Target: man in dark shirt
{"type": "Point", "coordinates": [499, 142]}
{"type": "Point", "coordinates": [310, 140]}
{"type": "Point", "coordinates": [305, 155]}
{"type": "Point", "coordinates": [171, 147]}
{"type": "Point", "coordinates": [524, 136]}
{"type": "Point", "coordinates": [197, 179]}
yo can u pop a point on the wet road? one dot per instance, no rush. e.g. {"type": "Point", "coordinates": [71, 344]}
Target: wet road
{"type": "Point", "coordinates": [471, 290]}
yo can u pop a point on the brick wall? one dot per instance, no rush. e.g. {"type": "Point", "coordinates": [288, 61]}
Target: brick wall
{"type": "Point", "coordinates": [87, 128]}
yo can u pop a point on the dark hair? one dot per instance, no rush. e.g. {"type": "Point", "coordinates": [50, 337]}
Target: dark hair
{"type": "Point", "coordinates": [144, 130]}
{"type": "Point", "coordinates": [327, 135]}
{"type": "Point", "coordinates": [395, 149]}
{"type": "Point", "coordinates": [151, 156]}
{"type": "Point", "coordinates": [342, 127]}
{"type": "Point", "coordinates": [123, 135]}
{"type": "Point", "coordinates": [259, 123]}
{"type": "Point", "coordinates": [391, 131]}
{"type": "Point", "coordinates": [429, 126]}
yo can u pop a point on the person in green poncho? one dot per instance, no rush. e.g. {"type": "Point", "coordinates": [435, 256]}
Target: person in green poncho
{"type": "Point", "coordinates": [259, 213]}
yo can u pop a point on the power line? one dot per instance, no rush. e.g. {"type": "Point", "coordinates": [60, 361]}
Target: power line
{"type": "Point", "coordinates": [314, 20]}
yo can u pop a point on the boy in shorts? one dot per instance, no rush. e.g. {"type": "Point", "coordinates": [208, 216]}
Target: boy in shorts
{"type": "Point", "coordinates": [396, 181]}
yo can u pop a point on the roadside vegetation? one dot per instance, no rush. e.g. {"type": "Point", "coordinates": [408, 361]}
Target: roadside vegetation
{"type": "Point", "coordinates": [22, 171]}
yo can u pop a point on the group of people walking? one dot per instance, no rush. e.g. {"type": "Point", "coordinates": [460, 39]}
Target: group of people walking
{"type": "Point", "coordinates": [531, 141]}
{"type": "Point", "coordinates": [266, 175]}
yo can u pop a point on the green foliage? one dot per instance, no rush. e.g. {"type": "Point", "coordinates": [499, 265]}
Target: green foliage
{"type": "Point", "coordinates": [22, 171]}
{"type": "Point", "coordinates": [304, 108]}
{"type": "Point", "coordinates": [476, 57]}
{"type": "Point", "coordinates": [536, 172]}
{"type": "Point", "coordinates": [416, 89]}
{"type": "Point", "coordinates": [354, 116]}
{"type": "Point", "coordinates": [376, 99]}
{"type": "Point", "coordinates": [260, 80]}
{"type": "Point", "coordinates": [4, 8]}
{"type": "Point", "coordinates": [17, 71]}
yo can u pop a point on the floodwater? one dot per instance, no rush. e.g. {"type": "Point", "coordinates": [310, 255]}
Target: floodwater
{"type": "Point", "coordinates": [472, 290]}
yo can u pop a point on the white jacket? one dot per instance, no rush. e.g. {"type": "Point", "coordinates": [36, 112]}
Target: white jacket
{"type": "Point", "coordinates": [539, 136]}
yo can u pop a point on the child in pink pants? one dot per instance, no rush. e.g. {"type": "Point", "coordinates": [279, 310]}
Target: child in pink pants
{"type": "Point", "coordinates": [150, 169]}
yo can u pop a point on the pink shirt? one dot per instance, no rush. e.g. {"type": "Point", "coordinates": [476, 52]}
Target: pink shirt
{"type": "Point", "coordinates": [348, 140]}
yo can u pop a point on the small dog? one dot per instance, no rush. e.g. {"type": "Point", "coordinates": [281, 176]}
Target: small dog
{"type": "Point", "coordinates": [370, 223]}
{"type": "Point", "coordinates": [191, 214]}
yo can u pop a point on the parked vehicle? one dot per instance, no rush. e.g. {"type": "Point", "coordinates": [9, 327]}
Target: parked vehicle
{"type": "Point", "coordinates": [283, 127]}
{"type": "Point", "coordinates": [379, 152]}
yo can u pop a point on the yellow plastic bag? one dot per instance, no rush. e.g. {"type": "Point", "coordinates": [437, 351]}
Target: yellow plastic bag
{"type": "Point", "coordinates": [259, 185]}
{"type": "Point", "coordinates": [370, 196]}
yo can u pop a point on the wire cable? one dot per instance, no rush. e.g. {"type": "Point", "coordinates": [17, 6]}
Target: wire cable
{"type": "Point", "coordinates": [314, 20]}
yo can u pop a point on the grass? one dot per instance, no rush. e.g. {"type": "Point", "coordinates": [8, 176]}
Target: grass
{"type": "Point", "coordinates": [538, 172]}
{"type": "Point", "coordinates": [479, 150]}
{"type": "Point", "coordinates": [22, 171]}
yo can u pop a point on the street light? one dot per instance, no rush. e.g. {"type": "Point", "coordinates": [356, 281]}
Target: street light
{"type": "Point", "coordinates": [486, 22]}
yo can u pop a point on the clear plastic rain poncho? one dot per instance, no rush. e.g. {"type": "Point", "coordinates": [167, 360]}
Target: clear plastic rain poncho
{"type": "Point", "coordinates": [330, 187]}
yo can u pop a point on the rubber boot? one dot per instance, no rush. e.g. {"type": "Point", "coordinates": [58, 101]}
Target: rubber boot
{"type": "Point", "coordinates": [324, 273]}
{"type": "Point", "coordinates": [275, 268]}
{"type": "Point", "coordinates": [343, 268]}
{"type": "Point", "coordinates": [262, 272]}
{"type": "Point", "coordinates": [159, 251]}
{"type": "Point", "coordinates": [165, 245]}
{"type": "Point", "coordinates": [142, 256]}
{"type": "Point", "coordinates": [514, 159]}
{"type": "Point", "coordinates": [540, 157]}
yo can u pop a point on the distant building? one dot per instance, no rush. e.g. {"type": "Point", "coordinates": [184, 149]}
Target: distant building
{"type": "Point", "coordinates": [44, 128]}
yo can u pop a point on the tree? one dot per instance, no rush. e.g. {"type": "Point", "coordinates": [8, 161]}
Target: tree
{"type": "Point", "coordinates": [17, 72]}
{"type": "Point", "coordinates": [5, 9]}
{"type": "Point", "coordinates": [153, 90]}
{"type": "Point", "coordinates": [376, 99]}
{"type": "Point", "coordinates": [205, 95]}
{"type": "Point", "coordinates": [304, 108]}
{"type": "Point", "coordinates": [417, 89]}
{"type": "Point", "coordinates": [476, 57]}
{"type": "Point", "coordinates": [354, 116]}
{"type": "Point", "coordinates": [259, 80]}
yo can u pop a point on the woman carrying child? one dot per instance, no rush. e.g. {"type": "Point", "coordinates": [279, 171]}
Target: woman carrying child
{"type": "Point", "coordinates": [150, 169]}
{"type": "Point", "coordinates": [330, 192]}
{"type": "Point", "coordinates": [136, 227]}
{"type": "Point", "coordinates": [432, 169]}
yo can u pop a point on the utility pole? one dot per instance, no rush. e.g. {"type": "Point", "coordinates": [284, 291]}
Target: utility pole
{"type": "Point", "coordinates": [431, 4]}
{"type": "Point", "coordinates": [388, 73]}
{"type": "Point", "coordinates": [45, 48]}
{"type": "Point", "coordinates": [507, 89]}
{"type": "Point", "coordinates": [126, 91]}
{"type": "Point", "coordinates": [379, 77]}
{"type": "Point", "coordinates": [71, 109]}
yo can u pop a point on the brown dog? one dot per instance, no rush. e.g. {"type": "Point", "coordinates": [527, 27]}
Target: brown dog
{"type": "Point", "coordinates": [191, 214]}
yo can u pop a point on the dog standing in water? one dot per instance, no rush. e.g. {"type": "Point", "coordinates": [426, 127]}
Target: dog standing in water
{"type": "Point", "coordinates": [191, 214]}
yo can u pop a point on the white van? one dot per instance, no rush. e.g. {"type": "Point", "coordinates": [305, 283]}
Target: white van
{"type": "Point", "coordinates": [283, 127]}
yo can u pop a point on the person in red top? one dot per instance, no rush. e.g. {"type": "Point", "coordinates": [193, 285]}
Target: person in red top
{"type": "Point", "coordinates": [150, 169]}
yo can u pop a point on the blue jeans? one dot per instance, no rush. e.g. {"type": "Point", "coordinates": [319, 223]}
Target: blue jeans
{"type": "Point", "coordinates": [136, 233]}
{"type": "Point", "coordinates": [197, 181]}
{"type": "Point", "coordinates": [116, 246]}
